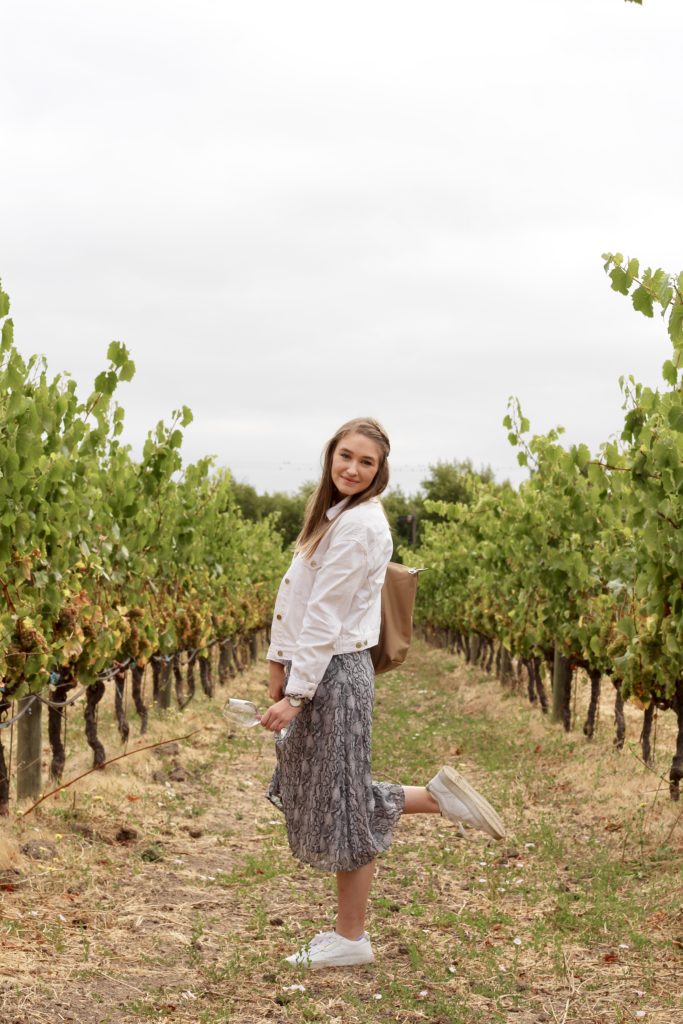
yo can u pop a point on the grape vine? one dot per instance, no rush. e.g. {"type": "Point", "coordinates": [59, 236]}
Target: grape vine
{"type": "Point", "coordinates": [107, 563]}
{"type": "Point", "coordinates": [584, 562]}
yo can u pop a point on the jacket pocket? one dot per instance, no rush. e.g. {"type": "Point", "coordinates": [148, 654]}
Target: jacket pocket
{"type": "Point", "coordinates": [303, 577]}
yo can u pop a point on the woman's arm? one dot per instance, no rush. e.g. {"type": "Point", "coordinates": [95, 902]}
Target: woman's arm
{"type": "Point", "coordinates": [276, 680]}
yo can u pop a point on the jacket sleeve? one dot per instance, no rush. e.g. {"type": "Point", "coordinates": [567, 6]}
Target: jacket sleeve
{"type": "Point", "coordinates": [338, 579]}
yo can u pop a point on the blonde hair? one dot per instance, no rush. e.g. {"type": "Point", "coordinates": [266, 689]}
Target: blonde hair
{"type": "Point", "coordinates": [316, 523]}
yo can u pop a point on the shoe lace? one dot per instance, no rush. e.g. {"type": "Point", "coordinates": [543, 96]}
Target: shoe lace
{"type": "Point", "coordinates": [322, 938]}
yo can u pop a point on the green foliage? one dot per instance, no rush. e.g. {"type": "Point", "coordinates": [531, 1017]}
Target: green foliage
{"type": "Point", "coordinates": [588, 554]}
{"type": "Point", "coordinates": [454, 481]}
{"type": "Point", "coordinates": [286, 511]}
{"type": "Point", "coordinates": [404, 513]}
{"type": "Point", "coordinates": [653, 288]}
{"type": "Point", "coordinates": [103, 557]}
{"type": "Point", "coordinates": [448, 481]}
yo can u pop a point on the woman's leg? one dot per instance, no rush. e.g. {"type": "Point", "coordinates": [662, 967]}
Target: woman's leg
{"type": "Point", "coordinates": [353, 887]}
{"type": "Point", "coordinates": [419, 801]}
{"type": "Point", "coordinates": [452, 796]}
{"type": "Point", "coordinates": [353, 890]}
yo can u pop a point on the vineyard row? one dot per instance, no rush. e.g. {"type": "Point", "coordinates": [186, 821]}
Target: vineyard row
{"type": "Point", "coordinates": [108, 563]}
{"type": "Point", "coordinates": [582, 566]}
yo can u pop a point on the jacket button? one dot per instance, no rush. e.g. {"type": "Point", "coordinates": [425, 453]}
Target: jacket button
{"type": "Point", "coordinates": [314, 564]}
{"type": "Point", "coordinates": [278, 616]}
{"type": "Point", "coordinates": [286, 580]}
{"type": "Point", "coordinates": [359, 644]}
{"type": "Point", "coordinates": [279, 654]}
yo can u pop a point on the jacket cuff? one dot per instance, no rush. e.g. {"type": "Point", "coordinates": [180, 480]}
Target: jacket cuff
{"type": "Point", "coordinates": [273, 655]}
{"type": "Point", "coordinates": [299, 687]}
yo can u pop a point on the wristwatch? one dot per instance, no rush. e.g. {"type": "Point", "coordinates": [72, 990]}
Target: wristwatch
{"type": "Point", "coordinates": [295, 700]}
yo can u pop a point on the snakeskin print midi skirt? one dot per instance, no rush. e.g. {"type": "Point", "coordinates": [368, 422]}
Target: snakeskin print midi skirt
{"type": "Point", "coordinates": [337, 818]}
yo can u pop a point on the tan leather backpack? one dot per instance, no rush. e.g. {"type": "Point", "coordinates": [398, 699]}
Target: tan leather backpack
{"type": "Point", "coordinates": [398, 601]}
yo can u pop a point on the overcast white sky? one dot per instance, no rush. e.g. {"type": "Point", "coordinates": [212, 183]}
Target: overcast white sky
{"type": "Point", "coordinates": [298, 212]}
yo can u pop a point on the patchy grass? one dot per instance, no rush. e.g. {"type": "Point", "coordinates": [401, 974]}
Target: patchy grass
{"type": "Point", "coordinates": [576, 916]}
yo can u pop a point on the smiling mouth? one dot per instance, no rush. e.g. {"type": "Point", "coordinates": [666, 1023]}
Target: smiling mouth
{"type": "Point", "coordinates": [347, 481]}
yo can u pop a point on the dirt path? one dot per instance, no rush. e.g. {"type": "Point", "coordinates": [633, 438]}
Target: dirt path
{"type": "Point", "coordinates": [172, 896]}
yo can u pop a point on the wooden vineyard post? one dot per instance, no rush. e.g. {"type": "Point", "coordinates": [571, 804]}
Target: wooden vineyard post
{"type": "Point", "coordinates": [165, 684]}
{"type": "Point", "coordinates": [562, 683]}
{"type": "Point", "coordinates": [29, 749]}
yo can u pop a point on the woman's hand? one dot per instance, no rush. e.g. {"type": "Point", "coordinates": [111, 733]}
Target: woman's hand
{"type": "Point", "coordinates": [276, 680]}
{"type": "Point", "coordinates": [279, 715]}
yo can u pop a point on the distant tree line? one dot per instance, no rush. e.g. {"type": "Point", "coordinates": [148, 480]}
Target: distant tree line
{"type": "Point", "coordinates": [447, 481]}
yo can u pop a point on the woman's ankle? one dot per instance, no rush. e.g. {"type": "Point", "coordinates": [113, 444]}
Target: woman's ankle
{"type": "Point", "coordinates": [353, 934]}
{"type": "Point", "coordinates": [418, 800]}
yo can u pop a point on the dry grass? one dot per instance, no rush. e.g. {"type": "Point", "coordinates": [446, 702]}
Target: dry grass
{"type": "Point", "coordinates": [575, 917]}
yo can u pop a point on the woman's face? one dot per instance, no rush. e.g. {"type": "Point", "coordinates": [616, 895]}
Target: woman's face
{"type": "Point", "coordinates": [355, 462]}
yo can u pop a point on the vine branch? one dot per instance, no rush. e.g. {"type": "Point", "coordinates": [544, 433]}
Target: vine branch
{"type": "Point", "coordinates": [119, 757]}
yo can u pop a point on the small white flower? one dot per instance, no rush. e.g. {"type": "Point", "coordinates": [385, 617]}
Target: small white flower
{"type": "Point", "coordinates": [188, 995]}
{"type": "Point", "coordinates": [517, 941]}
{"type": "Point", "coordinates": [622, 945]}
{"type": "Point", "coordinates": [377, 995]}
{"type": "Point", "coordinates": [295, 988]}
{"type": "Point", "coordinates": [423, 994]}
{"type": "Point", "coordinates": [451, 968]}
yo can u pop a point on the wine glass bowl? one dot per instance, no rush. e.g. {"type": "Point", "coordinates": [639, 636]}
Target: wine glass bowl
{"type": "Point", "coordinates": [241, 712]}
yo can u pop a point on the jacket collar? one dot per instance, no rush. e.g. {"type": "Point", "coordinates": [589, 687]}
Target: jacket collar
{"type": "Point", "coordinates": [334, 511]}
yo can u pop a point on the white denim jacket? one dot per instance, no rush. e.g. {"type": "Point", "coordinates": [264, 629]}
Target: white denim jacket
{"type": "Point", "coordinates": [331, 603]}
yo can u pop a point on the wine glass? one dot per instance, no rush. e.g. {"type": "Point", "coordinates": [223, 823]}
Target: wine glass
{"type": "Point", "coordinates": [241, 712]}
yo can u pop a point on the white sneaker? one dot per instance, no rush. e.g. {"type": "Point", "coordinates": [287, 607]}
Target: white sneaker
{"type": "Point", "coordinates": [327, 949]}
{"type": "Point", "coordinates": [461, 804]}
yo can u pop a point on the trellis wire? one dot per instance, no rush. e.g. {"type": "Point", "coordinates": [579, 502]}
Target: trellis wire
{"type": "Point", "coordinates": [103, 677]}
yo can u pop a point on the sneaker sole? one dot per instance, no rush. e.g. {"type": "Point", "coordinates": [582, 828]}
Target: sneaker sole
{"type": "Point", "coordinates": [460, 787]}
{"type": "Point", "coordinates": [341, 961]}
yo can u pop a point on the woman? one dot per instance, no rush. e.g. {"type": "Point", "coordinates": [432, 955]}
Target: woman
{"type": "Point", "coordinates": [327, 617]}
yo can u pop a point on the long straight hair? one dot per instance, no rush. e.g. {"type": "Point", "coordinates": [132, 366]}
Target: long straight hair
{"type": "Point", "coordinates": [316, 523]}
